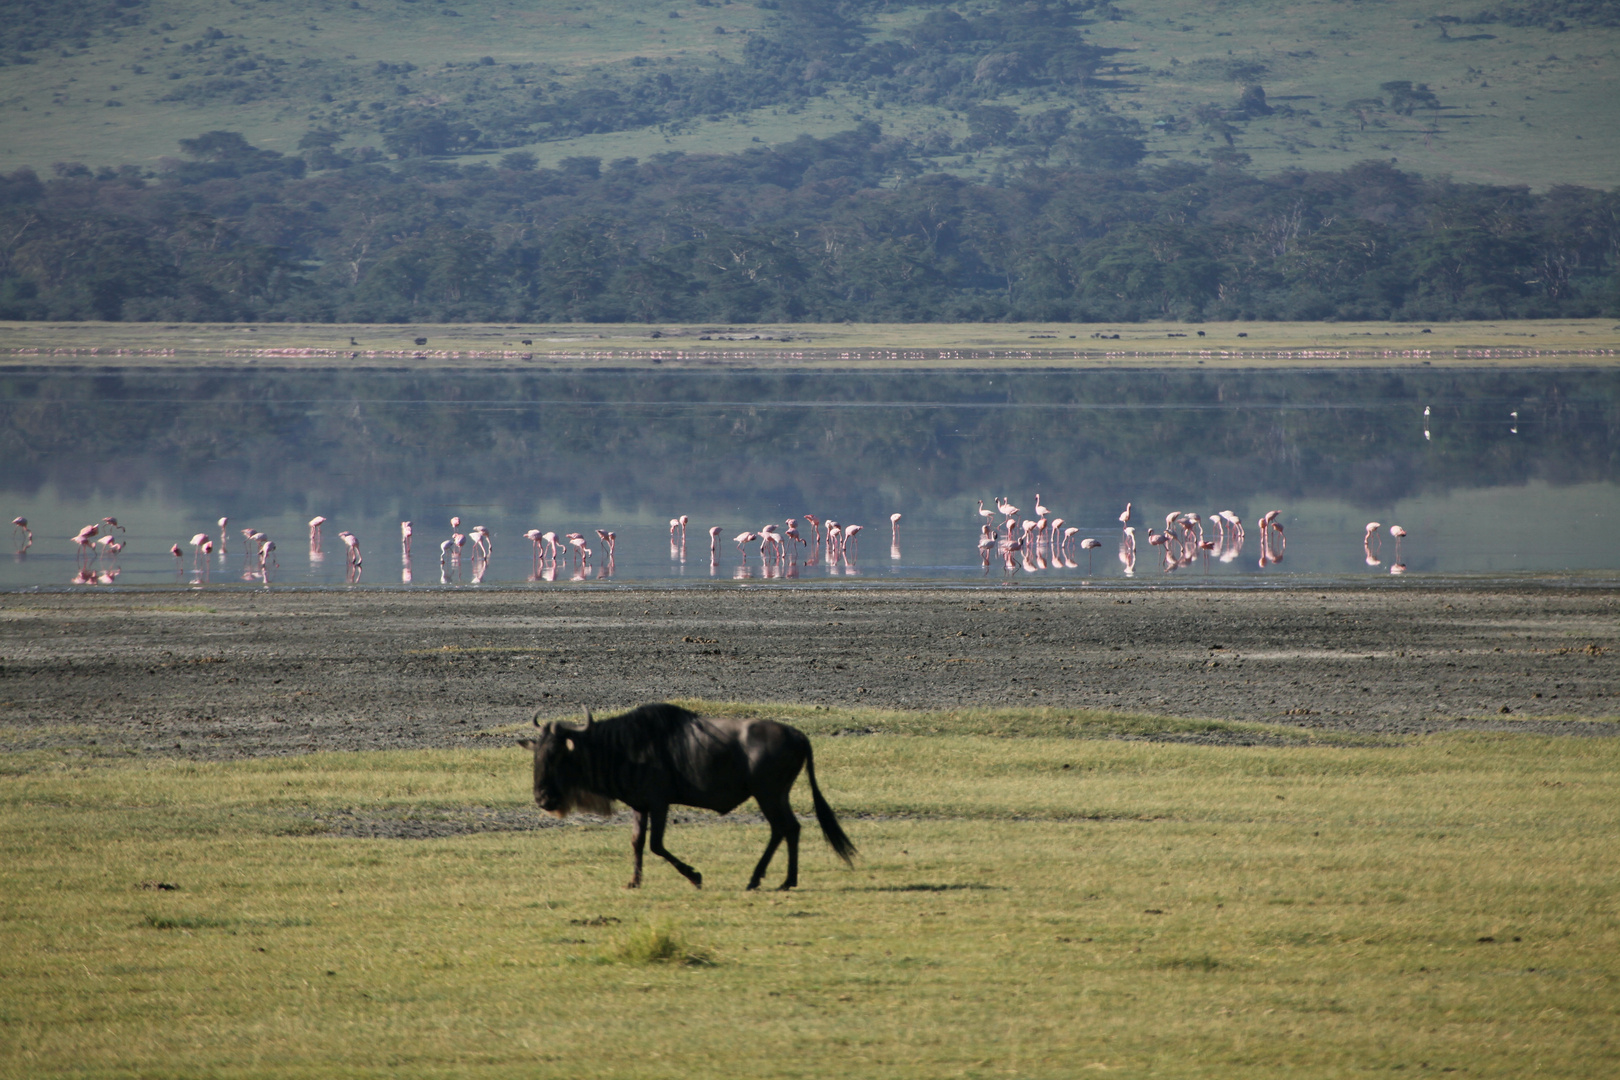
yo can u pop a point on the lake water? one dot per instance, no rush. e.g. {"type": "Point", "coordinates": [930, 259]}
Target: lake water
{"type": "Point", "coordinates": [1512, 474]}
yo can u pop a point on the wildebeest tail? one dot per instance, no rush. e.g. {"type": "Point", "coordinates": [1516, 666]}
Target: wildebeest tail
{"type": "Point", "coordinates": [824, 813]}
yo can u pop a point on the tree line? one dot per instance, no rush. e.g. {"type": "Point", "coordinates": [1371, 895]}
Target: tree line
{"type": "Point", "coordinates": [846, 227]}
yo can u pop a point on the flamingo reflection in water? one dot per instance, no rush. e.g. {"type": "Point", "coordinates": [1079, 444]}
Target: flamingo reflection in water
{"type": "Point", "coordinates": [1372, 543]}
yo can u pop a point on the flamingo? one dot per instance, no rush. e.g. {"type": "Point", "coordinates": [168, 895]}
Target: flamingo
{"type": "Point", "coordinates": [405, 533]}
{"type": "Point", "coordinates": [852, 535]}
{"type": "Point", "coordinates": [455, 524]}
{"type": "Point", "coordinates": [894, 528]}
{"type": "Point", "coordinates": [1369, 540]}
{"type": "Point", "coordinates": [683, 519]}
{"type": "Point", "coordinates": [197, 543]}
{"type": "Point", "coordinates": [986, 514]}
{"type": "Point", "coordinates": [533, 537]}
{"type": "Point", "coordinates": [113, 522]}
{"type": "Point", "coordinates": [607, 539]}
{"type": "Point", "coordinates": [1088, 545]}
{"type": "Point", "coordinates": [746, 537]}
{"type": "Point", "coordinates": [315, 524]}
{"type": "Point", "coordinates": [1125, 518]}
{"type": "Point", "coordinates": [444, 552]}
{"type": "Point", "coordinates": [1399, 534]}
{"type": "Point", "coordinates": [267, 555]}
{"type": "Point", "coordinates": [20, 525]}
{"type": "Point", "coordinates": [714, 539]}
{"type": "Point", "coordinates": [1006, 508]}
{"type": "Point", "coordinates": [1040, 511]}
{"type": "Point", "coordinates": [674, 526]}
{"type": "Point", "coordinates": [550, 539]}
{"type": "Point", "coordinates": [174, 549]}
{"type": "Point", "coordinates": [354, 548]}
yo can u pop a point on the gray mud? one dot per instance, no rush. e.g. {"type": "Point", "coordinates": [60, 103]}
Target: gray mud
{"type": "Point", "coordinates": [236, 674]}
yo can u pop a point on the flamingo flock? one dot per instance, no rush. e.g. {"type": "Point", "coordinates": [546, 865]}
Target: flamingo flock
{"type": "Point", "coordinates": [1019, 543]}
{"type": "Point", "coordinates": [1032, 544]}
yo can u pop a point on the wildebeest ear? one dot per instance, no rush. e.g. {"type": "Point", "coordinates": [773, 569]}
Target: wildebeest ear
{"type": "Point", "coordinates": [569, 743]}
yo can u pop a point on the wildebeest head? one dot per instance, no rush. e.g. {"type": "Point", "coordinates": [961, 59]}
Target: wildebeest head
{"type": "Point", "coordinates": [561, 768]}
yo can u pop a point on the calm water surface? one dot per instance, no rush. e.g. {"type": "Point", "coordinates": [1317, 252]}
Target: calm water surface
{"type": "Point", "coordinates": [1510, 474]}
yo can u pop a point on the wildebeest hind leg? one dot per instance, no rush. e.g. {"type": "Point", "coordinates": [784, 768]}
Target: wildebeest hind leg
{"type": "Point", "coordinates": [784, 826]}
{"type": "Point", "coordinates": [660, 816]}
{"type": "Point", "coordinates": [638, 838]}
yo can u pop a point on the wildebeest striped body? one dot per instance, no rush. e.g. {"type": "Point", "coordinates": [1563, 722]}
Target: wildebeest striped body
{"type": "Point", "coordinates": [658, 756]}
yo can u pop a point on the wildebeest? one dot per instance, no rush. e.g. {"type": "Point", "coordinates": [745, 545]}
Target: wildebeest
{"type": "Point", "coordinates": [657, 756]}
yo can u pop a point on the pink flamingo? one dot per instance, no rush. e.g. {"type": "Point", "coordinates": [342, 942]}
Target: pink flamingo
{"type": "Point", "coordinates": [267, 557]}
{"type": "Point", "coordinates": [986, 514]}
{"type": "Point", "coordinates": [1088, 545]}
{"type": "Point", "coordinates": [455, 524]}
{"type": "Point", "coordinates": [482, 541]}
{"type": "Point", "coordinates": [1399, 534]}
{"type": "Point", "coordinates": [674, 527]}
{"type": "Point", "coordinates": [894, 528]}
{"type": "Point", "coordinates": [550, 539]}
{"type": "Point", "coordinates": [835, 542]}
{"type": "Point", "coordinates": [815, 533]}
{"type": "Point", "coordinates": [683, 519]}
{"type": "Point", "coordinates": [1040, 511]}
{"type": "Point", "coordinates": [1372, 538]}
{"type": "Point", "coordinates": [1007, 509]}
{"type": "Point", "coordinates": [745, 537]}
{"type": "Point", "coordinates": [353, 545]}
{"type": "Point", "coordinates": [1125, 518]}
{"type": "Point", "coordinates": [315, 524]}
{"type": "Point", "coordinates": [197, 543]}
{"type": "Point", "coordinates": [607, 539]}
{"type": "Point", "coordinates": [714, 540]}
{"type": "Point", "coordinates": [405, 534]}
{"type": "Point", "coordinates": [174, 549]}
{"type": "Point", "coordinates": [852, 536]}
{"type": "Point", "coordinates": [20, 526]}
{"type": "Point", "coordinates": [446, 555]}
{"type": "Point", "coordinates": [113, 523]}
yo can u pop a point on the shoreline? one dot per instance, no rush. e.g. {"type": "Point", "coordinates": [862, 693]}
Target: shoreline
{"type": "Point", "coordinates": [1533, 343]}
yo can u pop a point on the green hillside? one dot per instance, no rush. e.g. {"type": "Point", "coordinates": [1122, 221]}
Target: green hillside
{"type": "Point", "coordinates": [1521, 94]}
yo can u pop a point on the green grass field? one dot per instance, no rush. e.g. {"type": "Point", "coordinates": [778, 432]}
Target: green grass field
{"type": "Point", "coordinates": [1521, 106]}
{"type": "Point", "coordinates": [1027, 903]}
{"type": "Point", "coordinates": [933, 345]}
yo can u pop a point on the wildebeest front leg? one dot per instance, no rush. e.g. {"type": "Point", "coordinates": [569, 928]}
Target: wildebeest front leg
{"type": "Point", "coordinates": [660, 816]}
{"type": "Point", "coordinates": [638, 838]}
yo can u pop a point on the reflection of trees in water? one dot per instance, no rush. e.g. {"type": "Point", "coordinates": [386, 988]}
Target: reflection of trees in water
{"type": "Point", "coordinates": [800, 440]}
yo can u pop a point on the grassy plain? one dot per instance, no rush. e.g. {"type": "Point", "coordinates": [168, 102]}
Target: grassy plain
{"type": "Point", "coordinates": [1024, 905]}
{"type": "Point", "coordinates": [933, 345]}
{"type": "Point", "coordinates": [1519, 105]}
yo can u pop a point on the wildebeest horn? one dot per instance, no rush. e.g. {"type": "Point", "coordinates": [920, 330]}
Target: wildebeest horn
{"type": "Point", "coordinates": [536, 719]}
{"type": "Point", "coordinates": [588, 720]}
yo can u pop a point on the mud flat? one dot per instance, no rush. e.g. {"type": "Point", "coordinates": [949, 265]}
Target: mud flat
{"type": "Point", "coordinates": [862, 346]}
{"type": "Point", "coordinates": [236, 674]}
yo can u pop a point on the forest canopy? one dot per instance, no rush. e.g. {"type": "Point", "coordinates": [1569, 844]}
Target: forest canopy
{"type": "Point", "coordinates": [847, 227]}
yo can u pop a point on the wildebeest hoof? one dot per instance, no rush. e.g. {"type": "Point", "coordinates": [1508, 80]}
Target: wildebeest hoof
{"type": "Point", "coordinates": [786, 885]}
{"type": "Point", "coordinates": [632, 884]}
